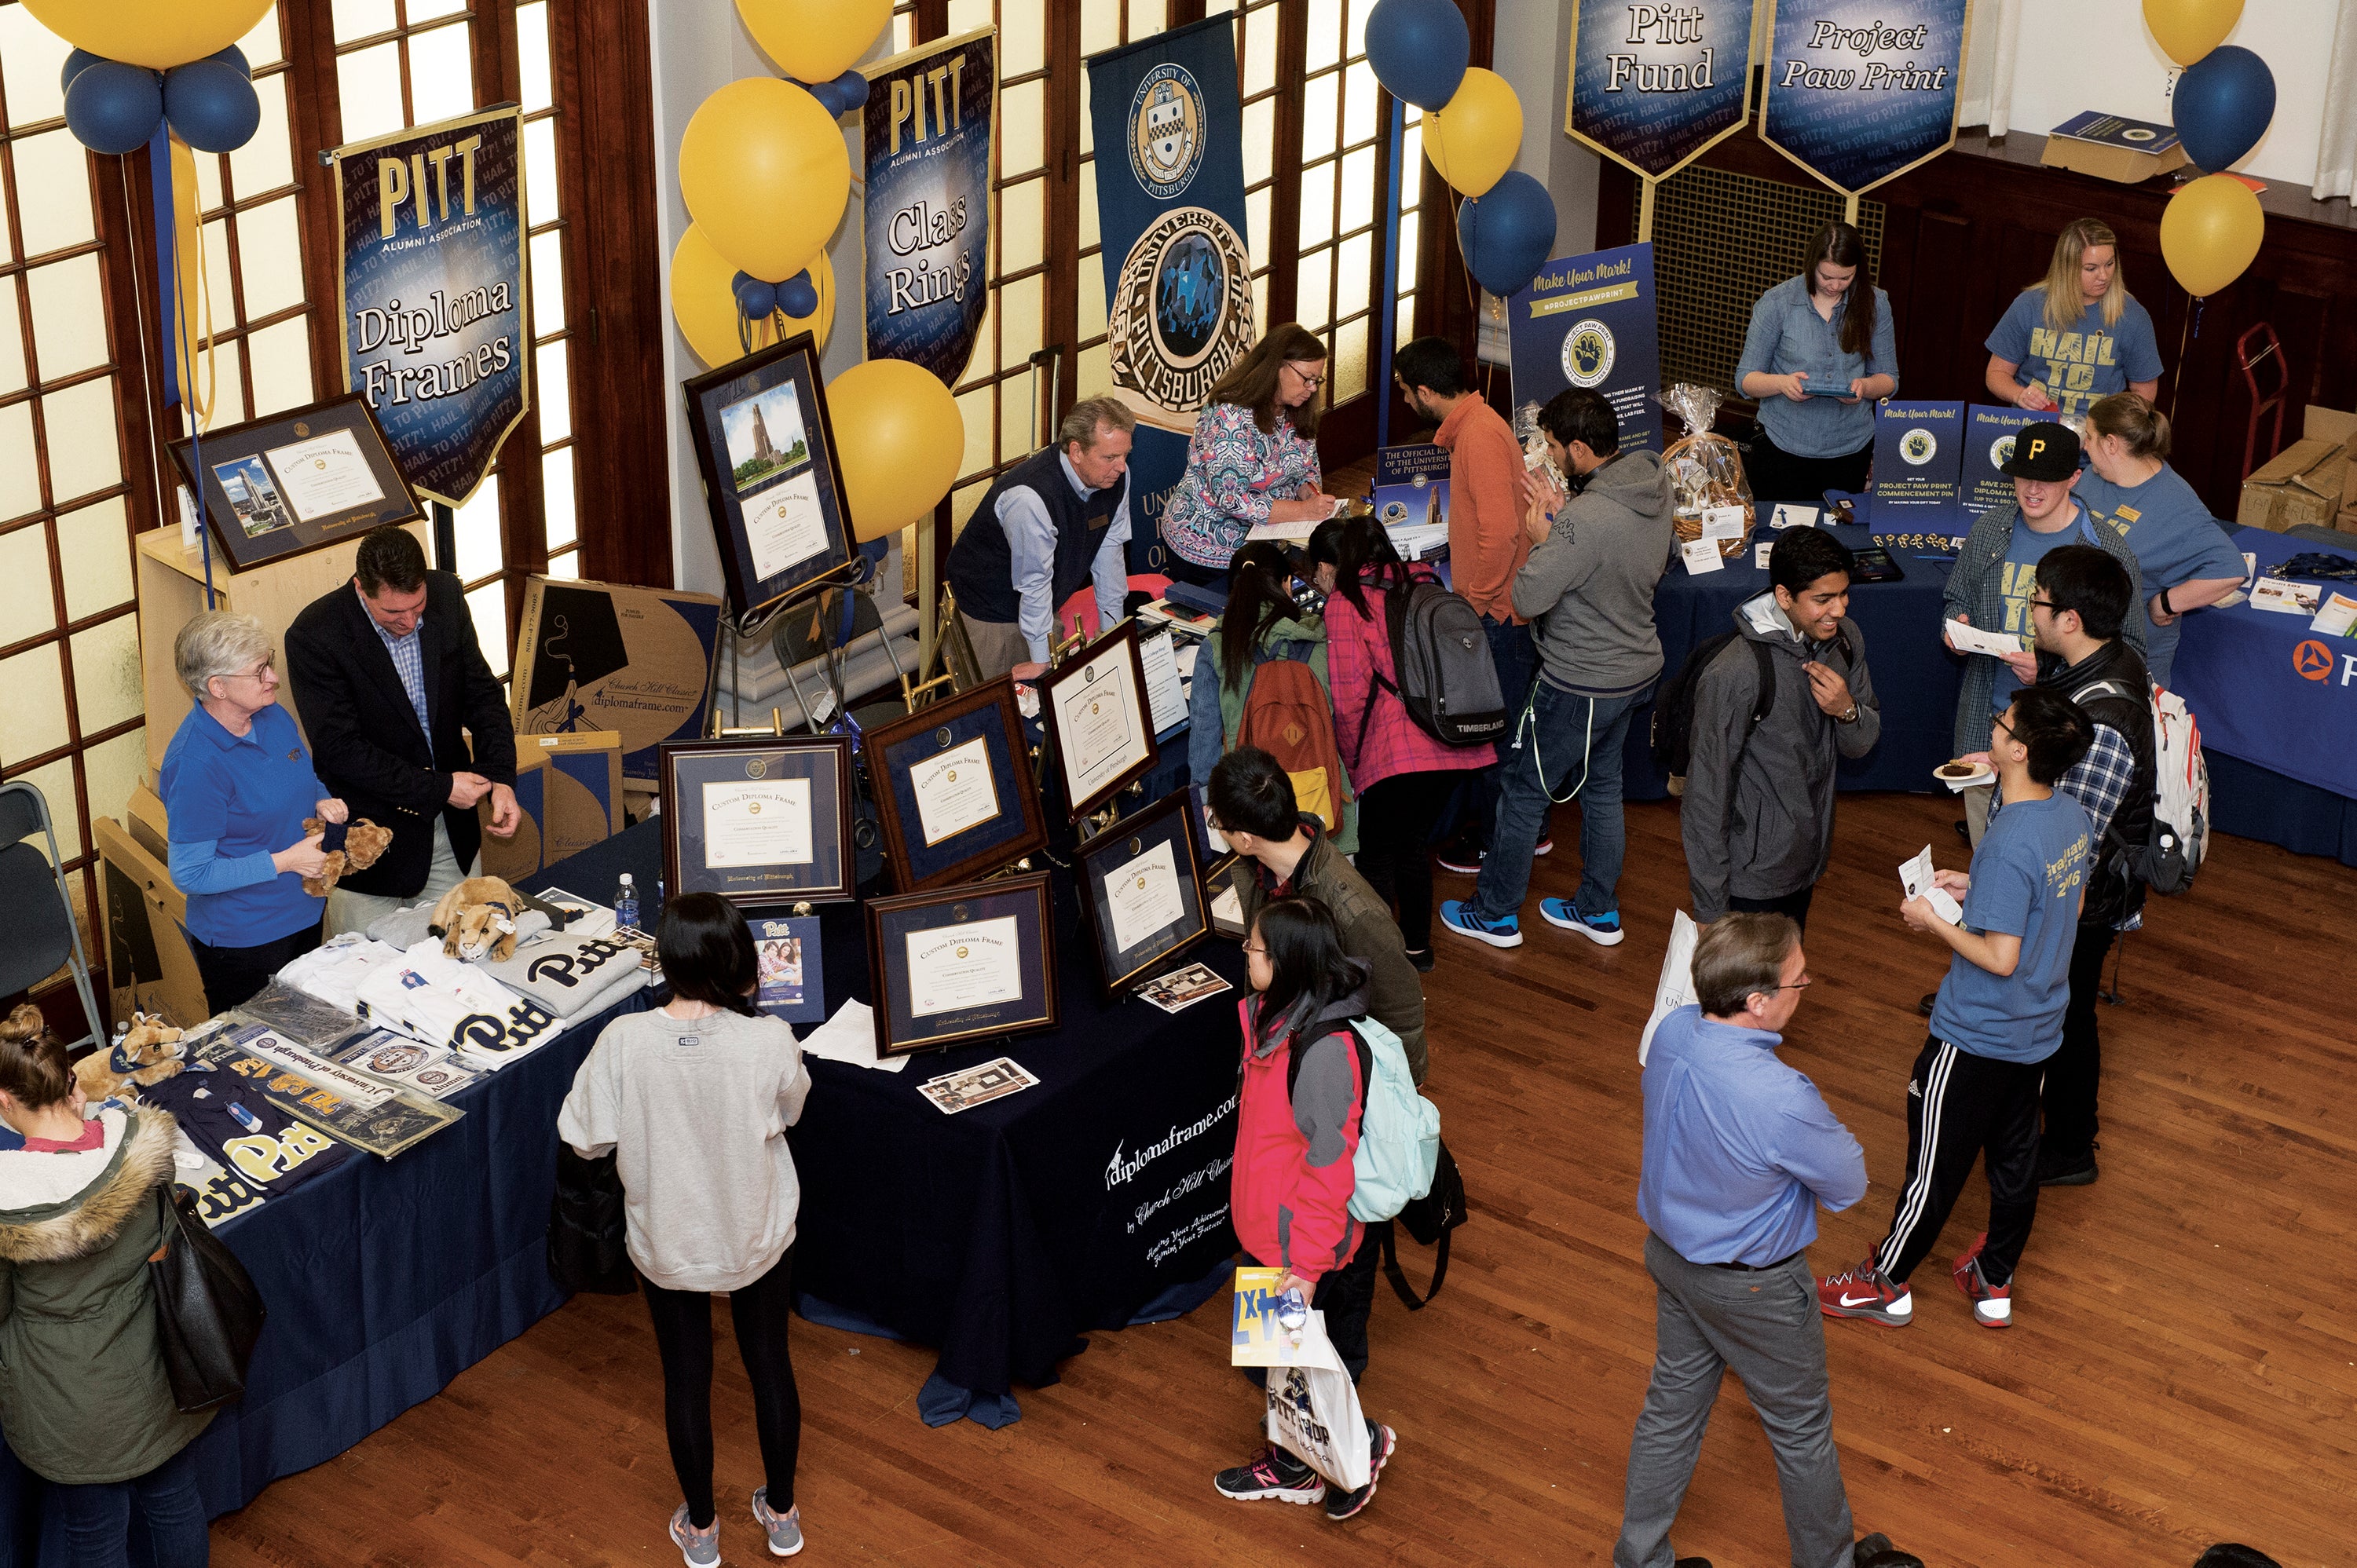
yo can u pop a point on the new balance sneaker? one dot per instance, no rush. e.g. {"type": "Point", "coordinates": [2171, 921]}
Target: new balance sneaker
{"type": "Point", "coordinates": [1381, 1441]}
{"type": "Point", "coordinates": [697, 1548]}
{"type": "Point", "coordinates": [1464, 859]}
{"type": "Point", "coordinates": [1544, 846]}
{"type": "Point", "coordinates": [1992, 1305]}
{"type": "Point", "coordinates": [1459, 917]}
{"type": "Point", "coordinates": [1603, 930]}
{"type": "Point", "coordinates": [784, 1530]}
{"type": "Point", "coordinates": [1275, 1475]}
{"type": "Point", "coordinates": [2056, 1168]}
{"type": "Point", "coordinates": [1865, 1292]}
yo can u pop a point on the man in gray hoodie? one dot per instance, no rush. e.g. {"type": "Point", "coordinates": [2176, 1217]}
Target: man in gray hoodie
{"type": "Point", "coordinates": [1587, 592]}
{"type": "Point", "coordinates": [1757, 812]}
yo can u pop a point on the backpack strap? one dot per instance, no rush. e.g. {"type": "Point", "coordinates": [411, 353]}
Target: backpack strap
{"type": "Point", "coordinates": [1398, 1276]}
{"type": "Point", "coordinates": [1366, 1064]}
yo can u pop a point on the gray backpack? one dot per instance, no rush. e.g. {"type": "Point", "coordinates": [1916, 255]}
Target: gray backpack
{"type": "Point", "coordinates": [1441, 658]}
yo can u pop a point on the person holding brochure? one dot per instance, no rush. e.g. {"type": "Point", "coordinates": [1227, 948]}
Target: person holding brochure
{"type": "Point", "coordinates": [1253, 457]}
{"type": "Point", "coordinates": [1818, 356]}
{"type": "Point", "coordinates": [2077, 336]}
{"type": "Point", "coordinates": [1973, 1093]}
{"type": "Point", "coordinates": [2188, 558]}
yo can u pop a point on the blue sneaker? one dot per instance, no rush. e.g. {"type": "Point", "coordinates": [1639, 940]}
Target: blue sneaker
{"type": "Point", "coordinates": [1460, 917]}
{"type": "Point", "coordinates": [1603, 930]}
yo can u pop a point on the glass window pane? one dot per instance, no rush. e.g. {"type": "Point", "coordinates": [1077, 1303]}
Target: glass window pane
{"type": "Point", "coordinates": [265, 163]}
{"type": "Point", "coordinates": [1100, 25]}
{"type": "Point", "coordinates": [368, 85]}
{"type": "Point", "coordinates": [1318, 111]}
{"type": "Point", "coordinates": [261, 46]}
{"type": "Point", "coordinates": [107, 688]}
{"type": "Point", "coordinates": [488, 605]}
{"type": "Point", "coordinates": [94, 553]}
{"type": "Point", "coordinates": [20, 477]}
{"type": "Point", "coordinates": [441, 72]}
{"type": "Point", "coordinates": [1260, 141]}
{"type": "Point", "coordinates": [362, 19]}
{"type": "Point", "coordinates": [1260, 297]}
{"type": "Point", "coordinates": [1325, 32]}
{"type": "Point", "coordinates": [1359, 105]}
{"type": "Point", "coordinates": [1410, 232]}
{"type": "Point", "coordinates": [1412, 166]}
{"type": "Point", "coordinates": [33, 719]}
{"type": "Point", "coordinates": [1022, 214]}
{"type": "Point", "coordinates": [1019, 143]}
{"type": "Point", "coordinates": [478, 527]}
{"type": "Point", "coordinates": [1088, 129]}
{"type": "Point", "coordinates": [1260, 50]}
{"type": "Point", "coordinates": [566, 568]}
{"type": "Point", "coordinates": [54, 781]}
{"type": "Point", "coordinates": [1406, 328]}
{"type": "Point", "coordinates": [12, 374]}
{"type": "Point", "coordinates": [32, 60]}
{"type": "Point", "coordinates": [1091, 297]}
{"type": "Point", "coordinates": [281, 355]}
{"type": "Point", "coordinates": [1090, 235]}
{"type": "Point", "coordinates": [554, 393]}
{"type": "Point", "coordinates": [974, 407]}
{"type": "Point", "coordinates": [1349, 376]}
{"type": "Point", "coordinates": [1357, 189]}
{"type": "Point", "coordinates": [68, 317]}
{"type": "Point", "coordinates": [548, 283]}
{"type": "Point", "coordinates": [211, 195]}
{"type": "Point", "coordinates": [221, 372]}
{"type": "Point", "coordinates": [270, 257]}
{"type": "Point", "coordinates": [1096, 375]}
{"type": "Point", "coordinates": [539, 172]}
{"type": "Point", "coordinates": [1317, 204]}
{"type": "Point", "coordinates": [1022, 36]}
{"type": "Point", "coordinates": [556, 496]}
{"type": "Point", "coordinates": [1353, 268]}
{"type": "Point", "coordinates": [1316, 279]}
{"type": "Point", "coordinates": [1147, 17]}
{"type": "Point", "coordinates": [1016, 401]}
{"type": "Point", "coordinates": [532, 56]}
{"type": "Point", "coordinates": [112, 771]}
{"type": "Point", "coordinates": [52, 191]}
{"type": "Point", "coordinates": [1022, 304]}
{"type": "Point", "coordinates": [967, 15]}
{"type": "Point", "coordinates": [220, 298]}
{"type": "Point", "coordinates": [84, 455]}
{"type": "Point", "coordinates": [418, 11]}
{"type": "Point", "coordinates": [986, 340]}
{"type": "Point", "coordinates": [1256, 226]}
{"type": "Point", "coordinates": [1355, 43]}
{"type": "Point", "coordinates": [27, 605]}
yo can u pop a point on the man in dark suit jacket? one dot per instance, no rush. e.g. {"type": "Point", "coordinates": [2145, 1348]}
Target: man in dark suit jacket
{"type": "Point", "coordinates": [386, 671]}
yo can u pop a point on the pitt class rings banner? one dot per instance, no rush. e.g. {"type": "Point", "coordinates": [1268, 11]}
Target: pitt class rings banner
{"type": "Point", "coordinates": [1654, 85]}
{"type": "Point", "coordinates": [436, 328]}
{"type": "Point", "coordinates": [1859, 91]}
{"type": "Point", "coordinates": [1171, 207]}
{"type": "Point", "coordinates": [926, 140]}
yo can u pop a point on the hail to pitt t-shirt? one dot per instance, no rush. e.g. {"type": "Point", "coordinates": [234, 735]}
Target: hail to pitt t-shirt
{"type": "Point", "coordinates": [2083, 363]}
{"type": "Point", "coordinates": [2028, 876]}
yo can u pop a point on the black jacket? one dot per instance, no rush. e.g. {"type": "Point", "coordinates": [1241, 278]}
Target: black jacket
{"type": "Point", "coordinates": [365, 742]}
{"type": "Point", "coordinates": [2110, 685]}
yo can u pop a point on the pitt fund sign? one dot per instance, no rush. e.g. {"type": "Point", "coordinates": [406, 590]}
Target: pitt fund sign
{"type": "Point", "coordinates": [1653, 86]}
{"type": "Point", "coordinates": [926, 133]}
{"type": "Point", "coordinates": [1859, 91]}
{"type": "Point", "coordinates": [436, 331]}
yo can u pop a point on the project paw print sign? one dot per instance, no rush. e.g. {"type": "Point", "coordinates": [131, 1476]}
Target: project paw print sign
{"type": "Point", "coordinates": [1859, 91]}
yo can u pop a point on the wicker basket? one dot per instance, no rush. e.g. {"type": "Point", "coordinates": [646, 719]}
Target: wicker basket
{"type": "Point", "coordinates": [1712, 475]}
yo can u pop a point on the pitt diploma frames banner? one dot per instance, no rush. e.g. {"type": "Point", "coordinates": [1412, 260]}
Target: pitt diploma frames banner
{"type": "Point", "coordinates": [1860, 91]}
{"type": "Point", "coordinates": [1653, 86]}
{"type": "Point", "coordinates": [926, 132]}
{"type": "Point", "coordinates": [1171, 205]}
{"type": "Point", "coordinates": [435, 331]}
{"type": "Point", "coordinates": [1588, 321]}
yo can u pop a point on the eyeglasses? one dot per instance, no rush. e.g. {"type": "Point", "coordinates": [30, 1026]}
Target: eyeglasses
{"type": "Point", "coordinates": [257, 672]}
{"type": "Point", "coordinates": [1802, 983]}
{"type": "Point", "coordinates": [1256, 947]}
{"type": "Point", "coordinates": [1999, 723]}
{"type": "Point", "coordinates": [1312, 382]}
{"type": "Point", "coordinates": [2044, 605]}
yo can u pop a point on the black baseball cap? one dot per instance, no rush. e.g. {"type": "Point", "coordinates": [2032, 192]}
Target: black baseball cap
{"type": "Point", "coordinates": [2044, 452]}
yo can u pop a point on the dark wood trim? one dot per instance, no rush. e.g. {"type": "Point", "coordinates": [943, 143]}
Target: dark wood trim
{"type": "Point", "coordinates": [1285, 191]}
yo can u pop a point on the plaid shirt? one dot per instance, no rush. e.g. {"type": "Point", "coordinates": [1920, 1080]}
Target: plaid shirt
{"type": "Point", "coordinates": [1358, 649]}
{"type": "Point", "coordinates": [2099, 783]}
{"type": "Point", "coordinates": [409, 663]}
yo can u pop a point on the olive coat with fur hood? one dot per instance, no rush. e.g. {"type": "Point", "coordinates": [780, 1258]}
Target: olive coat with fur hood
{"type": "Point", "coordinates": [83, 1395]}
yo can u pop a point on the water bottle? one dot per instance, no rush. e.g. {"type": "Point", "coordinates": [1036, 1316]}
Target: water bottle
{"type": "Point", "coordinates": [1293, 1315]}
{"type": "Point", "coordinates": [116, 1058]}
{"type": "Point", "coordinates": [626, 903]}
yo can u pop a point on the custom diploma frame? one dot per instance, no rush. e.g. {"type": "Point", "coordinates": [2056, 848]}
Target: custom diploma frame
{"type": "Point", "coordinates": [759, 820]}
{"type": "Point", "coordinates": [961, 963]}
{"type": "Point", "coordinates": [1094, 704]}
{"type": "Point", "coordinates": [275, 487]}
{"type": "Point", "coordinates": [766, 448]}
{"type": "Point", "coordinates": [1141, 891]}
{"type": "Point", "coordinates": [953, 788]}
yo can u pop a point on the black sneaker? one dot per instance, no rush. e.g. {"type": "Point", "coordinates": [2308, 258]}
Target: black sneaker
{"type": "Point", "coordinates": [1964, 830]}
{"type": "Point", "coordinates": [1870, 1547]}
{"type": "Point", "coordinates": [1463, 859]}
{"type": "Point", "coordinates": [1381, 1441]}
{"type": "Point", "coordinates": [1273, 1475]}
{"type": "Point", "coordinates": [1924, 1006]}
{"type": "Point", "coordinates": [1423, 960]}
{"type": "Point", "coordinates": [2058, 1168]}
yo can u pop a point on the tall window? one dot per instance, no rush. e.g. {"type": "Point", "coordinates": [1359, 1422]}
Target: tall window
{"type": "Point", "coordinates": [1339, 241]}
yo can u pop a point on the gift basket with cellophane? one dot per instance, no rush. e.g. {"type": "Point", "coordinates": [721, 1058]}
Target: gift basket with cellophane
{"type": "Point", "coordinates": [1705, 468]}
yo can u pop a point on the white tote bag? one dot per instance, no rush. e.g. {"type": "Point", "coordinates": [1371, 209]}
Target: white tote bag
{"type": "Point", "coordinates": [1313, 1412]}
{"type": "Point", "coordinates": [1675, 988]}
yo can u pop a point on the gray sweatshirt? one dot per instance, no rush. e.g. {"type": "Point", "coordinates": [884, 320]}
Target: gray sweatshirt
{"type": "Point", "coordinates": [1766, 833]}
{"type": "Point", "coordinates": [696, 1114]}
{"type": "Point", "coordinates": [1588, 588]}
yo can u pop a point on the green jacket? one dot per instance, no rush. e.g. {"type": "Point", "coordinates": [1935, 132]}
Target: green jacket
{"type": "Point", "coordinates": [83, 1395]}
{"type": "Point", "coordinates": [1395, 994]}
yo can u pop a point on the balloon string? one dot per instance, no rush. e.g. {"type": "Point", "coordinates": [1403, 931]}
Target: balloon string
{"type": "Point", "coordinates": [2184, 333]}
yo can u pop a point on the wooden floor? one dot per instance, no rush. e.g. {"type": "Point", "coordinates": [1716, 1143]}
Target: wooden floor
{"type": "Point", "coordinates": [2181, 1371]}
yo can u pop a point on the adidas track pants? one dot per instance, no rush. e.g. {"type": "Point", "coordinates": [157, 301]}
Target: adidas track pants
{"type": "Point", "coordinates": [1959, 1107]}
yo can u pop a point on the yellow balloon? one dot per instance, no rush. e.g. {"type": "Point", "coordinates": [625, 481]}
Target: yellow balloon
{"type": "Point", "coordinates": [815, 40]}
{"type": "Point", "coordinates": [899, 438]}
{"type": "Point", "coordinates": [764, 173]}
{"type": "Point", "coordinates": [2209, 231]}
{"type": "Point", "coordinates": [157, 34]}
{"type": "Point", "coordinates": [2188, 29]}
{"type": "Point", "coordinates": [706, 306]}
{"type": "Point", "coordinates": [1473, 138]}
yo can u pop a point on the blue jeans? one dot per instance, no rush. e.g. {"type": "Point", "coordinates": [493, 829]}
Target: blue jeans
{"type": "Point", "coordinates": [98, 1518]}
{"type": "Point", "coordinates": [1516, 658]}
{"type": "Point", "coordinates": [1566, 746]}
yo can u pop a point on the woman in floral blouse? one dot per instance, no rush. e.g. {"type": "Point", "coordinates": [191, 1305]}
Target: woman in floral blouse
{"type": "Point", "coordinates": [1253, 457]}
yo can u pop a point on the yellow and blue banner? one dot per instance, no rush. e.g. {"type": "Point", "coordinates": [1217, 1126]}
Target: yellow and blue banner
{"type": "Point", "coordinates": [1590, 321]}
{"type": "Point", "coordinates": [926, 145]}
{"type": "Point", "coordinates": [1653, 86]}
{"type": "Point", "coordinates": [1859, 91]}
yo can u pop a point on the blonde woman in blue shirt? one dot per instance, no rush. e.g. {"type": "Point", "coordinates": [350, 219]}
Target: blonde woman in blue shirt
{"type": "Point", "coordinates": [1818, 356]}
{"type": "Point", "coordinates": [2077, 336]}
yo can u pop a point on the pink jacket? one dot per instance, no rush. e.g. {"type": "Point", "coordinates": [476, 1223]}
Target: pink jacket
{"type": "Point", "coordinates": [1289, 1191]}
{"type": "Point", "coordinates": [1358, 650]}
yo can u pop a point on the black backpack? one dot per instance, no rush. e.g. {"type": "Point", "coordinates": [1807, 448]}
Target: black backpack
{"type": "Point", "coordinates": [1674, 710]}
{"type": "Point", "coordinates": [1442, 670]}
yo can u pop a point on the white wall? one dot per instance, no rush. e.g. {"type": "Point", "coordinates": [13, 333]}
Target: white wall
{"type": "Point", "coordinates": [1532, 51]}
{"type": "Point", "coordinates": [2073, 55]}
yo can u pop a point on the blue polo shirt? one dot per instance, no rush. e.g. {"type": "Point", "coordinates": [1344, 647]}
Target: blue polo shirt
{"type": "Point", "coordinates": [246, 795]}
{"type": "Point", "coordinates": [2028, 876]}
{"type": "Point", "coordinates": [1787, 335]}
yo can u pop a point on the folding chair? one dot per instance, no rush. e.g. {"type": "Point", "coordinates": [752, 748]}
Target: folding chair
{"type": "Point", "coordinates": [39, 927]}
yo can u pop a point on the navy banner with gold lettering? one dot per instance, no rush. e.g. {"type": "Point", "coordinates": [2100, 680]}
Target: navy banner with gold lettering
{"type": "Point", "coordinates": [1859, 91]}
{"type": "Point", "coordinates": [1652, 86]}
{"type": "Point", "coordinates": [926, 131]}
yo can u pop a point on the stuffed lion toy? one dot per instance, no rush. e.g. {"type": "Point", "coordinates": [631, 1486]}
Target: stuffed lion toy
{"type": "Point", "coordinates": [149, 1054]}
{"type": "Point", "coordinates": [476, 919]}
{"type": "Point", "coordinates": [348, 846]}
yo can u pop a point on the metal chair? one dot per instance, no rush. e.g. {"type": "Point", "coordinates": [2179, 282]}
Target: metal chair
{"type": "Point", "coordinates": [39, 924]}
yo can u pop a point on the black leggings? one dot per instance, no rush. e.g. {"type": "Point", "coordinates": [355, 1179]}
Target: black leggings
{"type": "Point", "coordinates": [233, 975]}
{"type": "Point", "coordinates": [683, 1334]}
{"type": "Point", "coordinates": [1776, 475]}
{"type": "Point", "coordinates": [1396, 816]}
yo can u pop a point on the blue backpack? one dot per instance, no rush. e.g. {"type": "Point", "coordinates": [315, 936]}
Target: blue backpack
{"type": "Point", "coordinates": [1399, 1130]}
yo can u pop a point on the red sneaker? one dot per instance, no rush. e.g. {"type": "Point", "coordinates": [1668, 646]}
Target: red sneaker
{"type": "Point", "coordinates": [1865, 1292]}
{"type": "Point", "coordinates": [1992, 1305]}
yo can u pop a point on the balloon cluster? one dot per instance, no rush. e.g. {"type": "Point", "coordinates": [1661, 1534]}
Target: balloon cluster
{"type": "Point", "coordinates": [1472, 131]}
{"type": "Point", "coordinates": [114, 106]}
{"type": "Point", "coordinates": [2213, 228]}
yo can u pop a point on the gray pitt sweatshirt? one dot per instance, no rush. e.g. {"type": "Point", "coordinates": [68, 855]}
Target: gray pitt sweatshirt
{"type": "Point", "coordinates": [1588, 588]}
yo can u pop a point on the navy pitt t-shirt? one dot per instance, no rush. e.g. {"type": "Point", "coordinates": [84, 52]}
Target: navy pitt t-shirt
{"type": "Point", "coordinates": [2027, 876]}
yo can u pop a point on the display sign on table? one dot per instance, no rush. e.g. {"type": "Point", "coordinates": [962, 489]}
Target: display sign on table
{"type": "Point", "coordinates": [599, 656]}
{"type": "Point", "coordinates": [362, 1111]}
{"type": "Point", "coordinates": [289, 483]}
{"type": "Point", "coordinates": [1171, 205]}
{"type": "Point", "coordinates": [765, 446]}
{"type": "Point", "coordinates": [1141, 891]}
{"type": "Point", "coordinates": [759, 820]}
{"type": "Point", "coordinates": [790, 975]}
{"type": "Point", "coordinates": [436, 331]}
{"type": "Point", "coordinates": [1859, 91]}
{"type": "Point", "coordinates": [953, 788]}
{"type": "Point", "coordinates": [925, 135]}
{"type": "Point", "coordinates": [1590, 321]}
{"type": "Point", "coordinates": [1653, 86]}
{"type": "Point", "coordinates": [1919, 452]}
{"type": "Point", "coordinates": [961, 963]}
{"type": "Point", "coordinates": [1412, 486]}
{"type": "Point", "coordinates": [1989, 430]}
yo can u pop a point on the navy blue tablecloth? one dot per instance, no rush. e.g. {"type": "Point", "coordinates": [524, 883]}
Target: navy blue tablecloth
{"type": "Point", "coordinates": [2267, 690]}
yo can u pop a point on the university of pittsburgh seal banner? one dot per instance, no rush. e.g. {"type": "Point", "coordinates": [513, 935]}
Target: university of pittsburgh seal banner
{"type": "Point", "coordinates": [1859, 91]}
{"type": "Point", "coordinates": [1653, 85]}
{"type": "Point", "coordinates": [926, 136]}
{"type": "Point", "coordinates": [436, 332]}
{"type": "Point", "coordinates": [1171, 207]}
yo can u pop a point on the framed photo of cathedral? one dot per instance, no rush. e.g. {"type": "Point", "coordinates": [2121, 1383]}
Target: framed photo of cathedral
{"type": "Point", "coordinates": [766, 448]}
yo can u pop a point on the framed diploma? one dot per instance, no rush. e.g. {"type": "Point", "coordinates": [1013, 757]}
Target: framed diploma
{"type": "Point", "coordinates": [961, 963]}
{"type": "Point", "coordinates": [1142, 892]}
{"type": "Point", "coordinates": [758, 820]}
{"type": "Point", "coordinates": [293, 482]}
{"type": "Point", "coordinates": [771, 482]}
{"type": "Point", "coordinates": [1094, 704]}
{"type": "Point", "coordinates": [1223, 886]}
{"type": "Point", "coordinates": [953, 788]}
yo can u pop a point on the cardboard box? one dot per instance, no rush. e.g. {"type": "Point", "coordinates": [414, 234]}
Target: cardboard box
{"type": "Point", "coordinates": [2311, 481]}
{"type": "Point", "coordinates": [570, 787]}
{"type": "Point", "coordinates": [598, 656]}
{"type": "Point", "coordinates": [149, 966]}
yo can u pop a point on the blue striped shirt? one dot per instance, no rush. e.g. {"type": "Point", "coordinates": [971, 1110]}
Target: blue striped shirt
{"type": "Point", "coordinates": [409, 663]}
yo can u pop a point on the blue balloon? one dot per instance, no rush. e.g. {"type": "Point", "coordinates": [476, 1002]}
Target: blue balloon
{"type": "Point", "coordinates": [1419, 49]}
{"type": "Point", "coordinates": [754, 298]}
{"type": "Point", "coordinates": [1505, 234]}
{"type": "Point", "coordinates": [2224, 100]}
{"type": "Point", "coordinates": [113, 107]}
{"type": "Point", "coordinates": [75, 64]}
{"type": "Point", "coordinates": [234, 55]}
{"type": "Point", "coordinates": [798, 296]}
{"type": "Point", "coordinates": [850, 92]}
{"type": "Point", "coordinates": [211, 104]}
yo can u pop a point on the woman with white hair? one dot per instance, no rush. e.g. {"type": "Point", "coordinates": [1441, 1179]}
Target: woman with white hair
{"type": "Point", "coordinates": [237, 784]}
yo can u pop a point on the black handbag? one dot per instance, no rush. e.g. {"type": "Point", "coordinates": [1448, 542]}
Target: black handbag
{"type": "Point", "coordinates": [587, 1249]}
{"type": "Point", "coordinates": [207, 1313]}
{"type": "Point", "coordinates": [1430, 1219]}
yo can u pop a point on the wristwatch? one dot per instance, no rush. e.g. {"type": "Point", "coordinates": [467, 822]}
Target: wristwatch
{"type": "Point", "coordinates": [1849, 719]}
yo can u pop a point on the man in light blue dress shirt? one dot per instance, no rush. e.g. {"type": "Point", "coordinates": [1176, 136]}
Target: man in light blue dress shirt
{"type": "Point", "coordinates": [1739, 1151]}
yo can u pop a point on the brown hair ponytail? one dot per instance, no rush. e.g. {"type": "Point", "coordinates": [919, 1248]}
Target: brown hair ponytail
{"type": "Point", "coordinates": [2144, 427]}
{"type": "Point", "coordinates": [33, 1065]}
